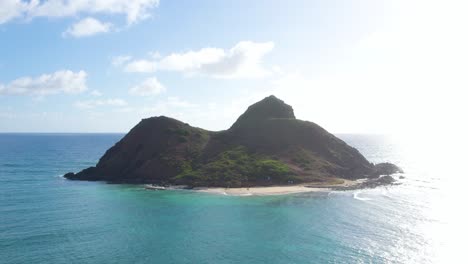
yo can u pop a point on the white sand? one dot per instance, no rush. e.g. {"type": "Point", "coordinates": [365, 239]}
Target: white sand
{"type": "Point", "coordinates": [276, 190]}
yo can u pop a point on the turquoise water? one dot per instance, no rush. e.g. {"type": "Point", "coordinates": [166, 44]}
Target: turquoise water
{"type": "Point", "coordinates": [47, 219]}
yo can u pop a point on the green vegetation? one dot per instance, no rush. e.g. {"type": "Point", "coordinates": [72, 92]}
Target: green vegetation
{"type": "Point", "coordinates": [301, 158]}
{"type": "Point", "coordinates": [181, 131]}
{"type": "Point", "coordinates": [236, 168]}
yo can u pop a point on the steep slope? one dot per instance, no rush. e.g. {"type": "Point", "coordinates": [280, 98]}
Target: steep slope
{"type": "Point", "coordinates": [153, 151]}
{"type": "Point", "coordinates": [266, 145]}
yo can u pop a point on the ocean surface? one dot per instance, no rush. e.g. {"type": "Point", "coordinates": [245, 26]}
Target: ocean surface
{"type": "Point", "coordinates": [45, 218]}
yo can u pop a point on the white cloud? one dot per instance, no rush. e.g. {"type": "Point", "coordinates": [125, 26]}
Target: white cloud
{"type": "Point", "coordinates": [150, 86]}
{"type": "Point", "coordinates": [120, 60]}
{"type": "Point", "coordinates": [134, 11]}
{"type": "Point", "coordinates": [87, 27]}
{"type": "Point", "coordinates": [192, 60]}
{"type": "Point", "coordinates": [89, 104]}
{"type": "Point", "coordinates": [10, 9]}
{"type": "Point", "coordinates": [64, 81]}
{"type": "Point", "coordinates": [244, 60]}
{"type": "Point", "coordinates": [96, 93]}
{"type": "Point", "coordinates": [144, 66]}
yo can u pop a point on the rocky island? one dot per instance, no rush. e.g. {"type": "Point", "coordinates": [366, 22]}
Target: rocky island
{"type": "Point", "coordinates": [266, 146]}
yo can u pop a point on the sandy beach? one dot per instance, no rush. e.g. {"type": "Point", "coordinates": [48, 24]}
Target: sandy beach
{"type": "Point", "coordinates": [278, 190]}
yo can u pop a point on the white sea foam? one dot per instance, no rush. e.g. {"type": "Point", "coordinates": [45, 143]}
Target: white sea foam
{"type": "Point", "coordinates": [357, 197]}
{"type": "Point", "coordinates": [245, 194]}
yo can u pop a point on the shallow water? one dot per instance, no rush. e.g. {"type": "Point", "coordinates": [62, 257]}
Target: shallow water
{"type": "Point", "coordinates": [47, 219]}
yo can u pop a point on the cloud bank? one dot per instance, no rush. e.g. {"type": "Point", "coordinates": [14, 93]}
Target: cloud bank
{"type": "Point", "coordinates": [144, 66]}
{"type": "Point", "coordinates": [87, 27]}
{"type": "Point", "coordinates": [64, 81]}
{"type": "Point", "coordinates": [244, 60]}
{"type": "Point", "coordinates": [134, 10]}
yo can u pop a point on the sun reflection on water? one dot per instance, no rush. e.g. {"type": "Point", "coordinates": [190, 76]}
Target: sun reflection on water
{"type": "Point", "coordinates": [436, 176]}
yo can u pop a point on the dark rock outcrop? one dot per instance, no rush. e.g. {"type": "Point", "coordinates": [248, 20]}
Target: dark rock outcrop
{"type": "Point", "coordinates": [266, 145]}
{"type": "Point", "coordinates": [385, 180]}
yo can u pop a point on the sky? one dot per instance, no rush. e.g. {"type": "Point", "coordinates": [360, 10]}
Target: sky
{"type": "Point", "coordinates": [387, 67]}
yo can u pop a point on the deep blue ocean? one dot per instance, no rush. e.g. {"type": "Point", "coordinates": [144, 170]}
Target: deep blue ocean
{"type": "Point", "coordinates": [45, 218]}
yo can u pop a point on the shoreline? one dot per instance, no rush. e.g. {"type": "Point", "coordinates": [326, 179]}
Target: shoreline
{"type": "Point", "coordinates": [278, 190]}
{"type": "Point", "coordinates": [261, 191]}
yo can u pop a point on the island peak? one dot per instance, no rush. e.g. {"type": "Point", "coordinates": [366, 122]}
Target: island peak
{"type": "Point", "coordinates": [268, 108]}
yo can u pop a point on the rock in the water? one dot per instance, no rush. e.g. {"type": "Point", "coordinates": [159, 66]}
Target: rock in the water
{"type": "Point", "coordinates": [267, 145]}
{"type": "Point", "coordinates": [386, 169]}
{"type": "Point", "coordinates": [69, 175]}
{"type": "Point", "coordinates": [384, 180]}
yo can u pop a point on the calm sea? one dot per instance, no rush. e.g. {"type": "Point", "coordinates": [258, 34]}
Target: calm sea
{"type": "Point", "coordinates": [47, 219]}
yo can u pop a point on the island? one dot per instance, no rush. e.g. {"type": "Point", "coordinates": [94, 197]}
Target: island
{"type": "Point", "coordinates": [266, 147]}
